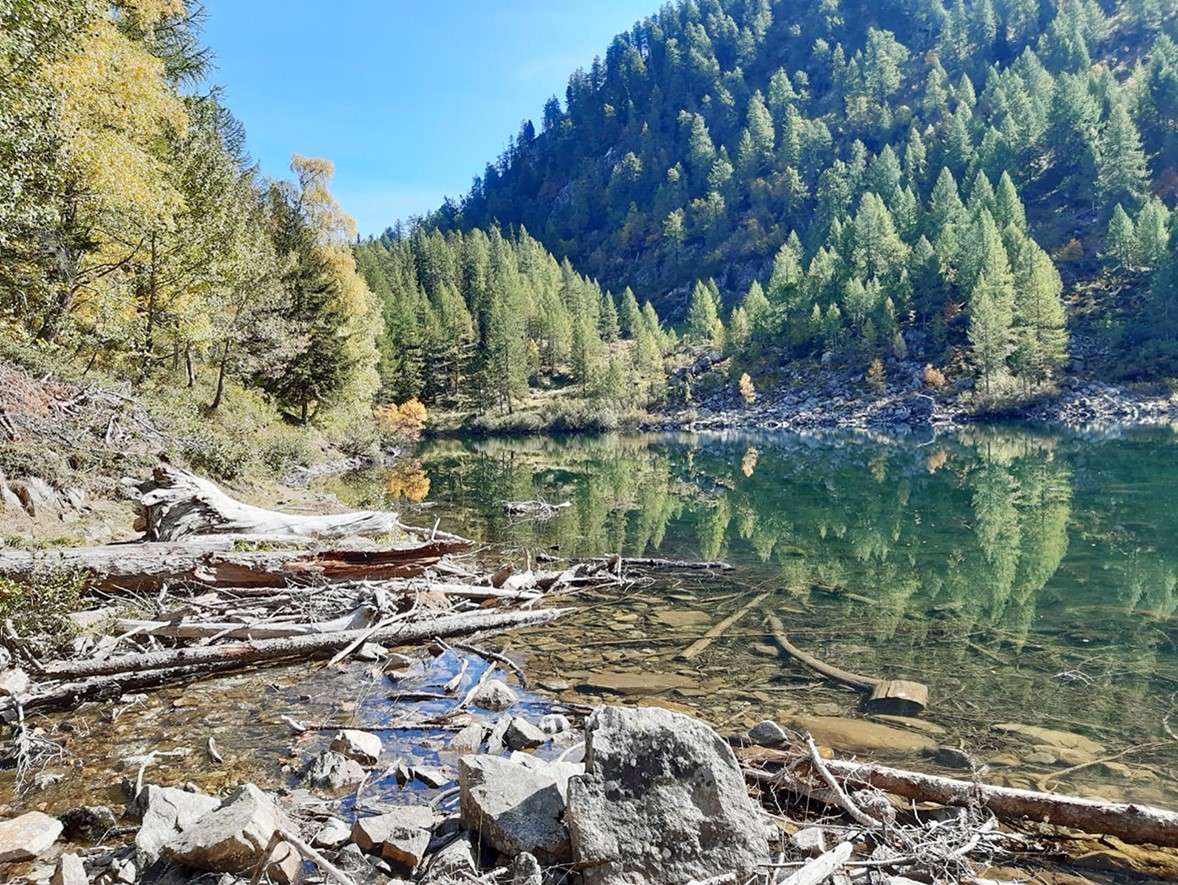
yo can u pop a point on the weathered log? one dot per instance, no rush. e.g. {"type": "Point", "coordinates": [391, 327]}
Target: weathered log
{"type": "Point", "coordinates": [309, 646]}
{"type": "Point", "coordinates": [900, 694]}
{"type": "Point", "coordinates": [212, 562]}
{"type": "Point", "coordinates": [716, 632]}
{"type": "Point", "coordinates": [176, 504]}
{"type": "Point", "coordinates": [822, 867]}
{"type": "Point", "coordinates": [639, 562]}
{"type": "Point", "coordinates": [1127, 821]}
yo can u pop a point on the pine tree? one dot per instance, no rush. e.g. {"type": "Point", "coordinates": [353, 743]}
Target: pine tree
{"type": "Point", "coordinates": [1153, 234]}
{"type": "Point", "coordinates": [607, 322]}
{"type": "Point", "coordinates": [1008, 207]}
{"type": "Point", "coordinates": [1121, 241]}
{"type": "Point", "coordinates": [1121, 175]}
{"type": "Point", "coordinates": [629, 314]}
{"type": "Point", "coordinates": [702, 315]}
{"type": "Point", "coordinates": [990, 333]}
{"type": "Point", "coordinates": [1040, 324]}
{"type": "Point", "coordinates": [877, 250]}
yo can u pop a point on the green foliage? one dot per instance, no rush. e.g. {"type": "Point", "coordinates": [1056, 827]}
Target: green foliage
{"type": "Point", "coordinates": [41, 605]}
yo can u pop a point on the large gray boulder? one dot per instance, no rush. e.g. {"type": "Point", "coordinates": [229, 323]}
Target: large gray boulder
{"type": "Point", "coordinates": [662, 802]}
{"type": "Point", "coordinates": [513, 808]}
{"type": "Point", "coordinates": [167, 812]}
{"type": "Point", "coordinates": [27, 836]}
{"type": "Point", "coordinates": [234, 836]}
{"type": "Point", "coordinates": [400, 836]}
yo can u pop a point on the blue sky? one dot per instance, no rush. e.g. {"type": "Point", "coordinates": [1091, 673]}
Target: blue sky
{"type": "Point", "coordinates": [409, 98]}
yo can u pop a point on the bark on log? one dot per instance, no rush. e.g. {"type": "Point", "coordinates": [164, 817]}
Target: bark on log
{"type": "Point", "coordinates": [212, 563]}
{"type": "Point", "coordinates": [1127, 821]}
{"type": "Point", "coordinates": [309, 646]}
{"type": "Point", "coordinates": [176, 504]}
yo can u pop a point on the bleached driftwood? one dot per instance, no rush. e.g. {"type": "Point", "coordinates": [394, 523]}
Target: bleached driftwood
{"type": "Point", "coordinates": [212, 562]}
{"type": "Point", "coordinates": [693, 650]}
{"type": "Point", "coordinates": [176, 504]}
{"type": "Point", "coordinates": [1127, 821]}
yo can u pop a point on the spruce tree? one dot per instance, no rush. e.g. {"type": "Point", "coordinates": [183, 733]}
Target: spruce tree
{"type": "Point", "coordinates": [1121, 242]}
{"type": "Point", "coordinates": [1121, 175]}
{"type": "Point", "coordinates": [990, 332]}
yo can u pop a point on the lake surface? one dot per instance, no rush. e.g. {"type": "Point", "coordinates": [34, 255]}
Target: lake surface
{"type": "Point", "coordinates": [1030, 578]}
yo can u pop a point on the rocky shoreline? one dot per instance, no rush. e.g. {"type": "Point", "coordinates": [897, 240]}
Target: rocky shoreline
{"type": "Point", "coordinates": [834, 399]}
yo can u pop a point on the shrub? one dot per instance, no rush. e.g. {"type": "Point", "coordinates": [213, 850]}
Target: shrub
{"type": "Point", "coordinates": [934, 378]}
{"type": "Point", "coordinates": [41, 605]}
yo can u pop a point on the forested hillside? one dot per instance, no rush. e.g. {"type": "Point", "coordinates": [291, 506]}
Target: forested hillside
{"type": "Point", "coordinates": [138, 240]}
{"type": "Point", "coordinates": [871, 177]}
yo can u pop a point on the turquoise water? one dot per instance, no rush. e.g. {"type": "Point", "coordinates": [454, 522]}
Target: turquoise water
{"type": "Point", "coordinates": [1029, 578]}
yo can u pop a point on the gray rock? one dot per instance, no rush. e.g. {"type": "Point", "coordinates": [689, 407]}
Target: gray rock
{"type": "Point", "coordinates": [452, 860]}
{"type": "Point", "coordinates": [662, 801]}
{"type": "Point", "coordinates": [767, 733]}
{"type": "Point", "coordinates": [334, 771]}
{"type": "Point", "coordinates": [495, 695]}
{"type": "Point", "coordinates": [810, 841]}
{"type": "Point", "coordinates": [167, 812]}
{"type": "Point", "coordinates": [513, 808]}
{"type": "Point", "coordinates": [370, 651]}
{"type": "Point", "coordinates": [522, 735]}
{"type": "Point", "coordinates": [496, 739]}
{"type": "Point", "coordinates": [400, 837]}
{"type": "Point", "coordinates": [468, 740]}
{"type": "Point", "coordinates": [363, 746]}
{"type": "Point", "coordinates": [13, 681]}
{"type": "Point", "coordinates": [233, 837]}
{"type": "Point", "coordinates": [555, 723]}
{"type": "Point", "coordinates": [560, 771]}
{"type": "Point", "coordinates": [25, 837]}
{"type": "Point", "coordinates": [332, 834]}
{"type": "Point", "coordinates": [525, 870]}
{"type": "Point", "coordinates": [70, 871]}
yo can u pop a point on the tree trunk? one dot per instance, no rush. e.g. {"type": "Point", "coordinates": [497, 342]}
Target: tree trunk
{"type": "Point", "coordinates": [176, 504]}
{"type": "Point", "coordinates": [219, 395]}
{"type": "Point", "coordinates": [303, 647]}
{"type": "Point", "coordinates": [149, 567]}
{"type": "Point", "coordinates": [1129, 822]}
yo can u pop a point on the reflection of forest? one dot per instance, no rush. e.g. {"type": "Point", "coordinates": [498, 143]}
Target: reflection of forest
{"type": "Point", "coordinates": [973, 527]}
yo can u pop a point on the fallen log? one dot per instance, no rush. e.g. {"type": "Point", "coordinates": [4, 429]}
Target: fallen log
{"type": "Point", "coordinates": [307, 646]}
{"type": "Point", "coordinates": [147, 567]}
{"type": "Point", "coordinates": [1127, 821]}
{"type": "Point", "coordinates": [176, 504]}
{"type": "Point", "coordinates": [640, 562]}
{"type": "Point", "coordinates": [884, 695]}
{"type": "Point", "coordinates": [693, 650]}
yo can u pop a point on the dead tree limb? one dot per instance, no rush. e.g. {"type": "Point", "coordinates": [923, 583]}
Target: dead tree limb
{"type": "Point", "coordinates": [213, 563]}
{"type": "Point", "coordinates": [1127, 821]}
{"type": "Point", "coordinates": [176, 504]}
{"type": "Point", "coordinates": [308, 646]}
{"type": "Point", "coordinates": [693, 650]}
{"type": "Point", "coordinates": [883, 693]}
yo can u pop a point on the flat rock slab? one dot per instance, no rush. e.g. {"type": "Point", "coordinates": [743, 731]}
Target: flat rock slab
{"type": "Point", "coordinates": [400, 836]}
{"type": "Point", "coordinates": [513, 807]}
{"type": "Point", "coordinates": [859, 735]}
{"type": "Point", "coordinates": [685, 618]}
{"type": "Point", "coordinates": [27, 836]}
{"type": "Point", "coordinates": [1063, 740]}
{"type": "Point", "coordinates": [232, 838]}
{"type": "Point", "coordinates": [167, 812]}
{"type": "Point", "coordinates": [635, 682]}
{"type": "Point", "coordinates": [662, 802]}
{"type": "Point", "coordinates": [362, 746]}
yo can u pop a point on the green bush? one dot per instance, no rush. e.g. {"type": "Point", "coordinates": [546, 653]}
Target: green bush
{"type": "Point", "coordinates": [41, 605]}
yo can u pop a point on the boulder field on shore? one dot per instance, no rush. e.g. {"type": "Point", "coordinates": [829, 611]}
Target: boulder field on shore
{"type": "Point", "coordinates": [659, 798]}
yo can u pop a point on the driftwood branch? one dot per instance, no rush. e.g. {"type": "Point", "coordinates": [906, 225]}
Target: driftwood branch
{"type": "Point", "coordinates": [214, 563]}
{"type": "Point", "coordinates": [1127, 821]}
{"type": "Point", "coordinates": [308, 646]}
{"type": "Point", "coordinates": [693, 650]}
{"type": "Point", "coordinates": [176, 504]}
{"type": "Point", "coordinates": [882, 692]}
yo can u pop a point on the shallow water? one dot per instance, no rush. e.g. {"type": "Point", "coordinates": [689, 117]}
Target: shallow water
{"type": "Point", "coordinates": [1029, 578]}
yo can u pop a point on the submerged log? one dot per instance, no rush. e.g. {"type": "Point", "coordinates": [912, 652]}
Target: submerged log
{"type": "Point", "coordinates": [176, 504]}
{"type": "Point", "coordinates": [212, 562]}
{"type": "Point", "coordinates": [1127, 821]}
{"type": "Point", "coordinates": [884, 695]}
